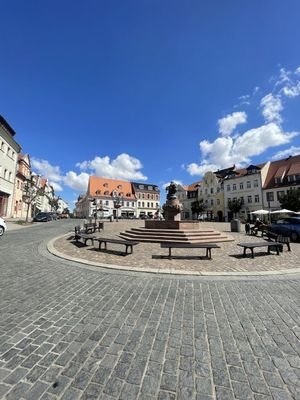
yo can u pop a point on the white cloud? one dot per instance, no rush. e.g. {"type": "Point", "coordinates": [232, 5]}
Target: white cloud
{"type": "Point", "coordinates": [226, 151]}
{"type": "Point", "coordinates": [271, 108]}
{"type": "Point", "coordinates": [297, 71]}
{"type": "Point", "coordinates": [122, 167]}
{"type": "Point", "coordinates": [77, 181]}
{"type": "Point", "coordinates": [291, 151]}
{"type": "Point", "coordinates": [292, 91]}
{"type": "Point", "coordinates": [284, 77]}
{"type": "Point", "coordinates": [230, 122]}
{"type": "Point", "coordinates": [56, 186]}
{"type": "Point", "coordinates": [44, 168]}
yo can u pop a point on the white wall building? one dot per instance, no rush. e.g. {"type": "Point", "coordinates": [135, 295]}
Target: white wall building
{"type": "Point", "coordinates": [9, 150]}
{"type": "Point", "coordinates": [245, 184]}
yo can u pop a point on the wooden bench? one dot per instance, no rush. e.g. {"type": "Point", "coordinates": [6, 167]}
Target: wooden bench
{"type": "Point", "coordinates": [92, 227]}
{"type": "Point", "coordinates": [127, 243]}
{"type": "Point", "coordinates": [271, 236]}
{"type": "Point", "coordinates": [83, 236]}
{"type": "Point", "coordinates": [176, 245]}
{"type": "Point", "coordinates": [252, 246]}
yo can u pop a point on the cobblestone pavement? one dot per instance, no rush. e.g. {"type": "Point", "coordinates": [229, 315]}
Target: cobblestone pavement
{"type": "Point", "coordinates": [228, 258]}
{"type": "Point", "coordinates": [68, 332]}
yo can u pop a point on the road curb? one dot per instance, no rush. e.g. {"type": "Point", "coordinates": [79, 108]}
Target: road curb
{"type": "Point", "coordinates": [167, 271]}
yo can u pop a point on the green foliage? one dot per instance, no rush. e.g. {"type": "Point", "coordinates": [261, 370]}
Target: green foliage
{"type": "Point", "coordinates": [198, 207]}
{"type": "Point", "coordinates": [235, 205]}
{"type": "Point", "coordinates": [291, 200]}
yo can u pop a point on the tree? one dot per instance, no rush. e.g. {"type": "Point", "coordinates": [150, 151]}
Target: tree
{"type": "Point", "coordinates": [291, 200]}
{"type": "Point", "coordinates": [31, 191]}
{"type": "Point", "coordinates": [198, 207]}
{"type": "Point", "coordinates": [235, 206]}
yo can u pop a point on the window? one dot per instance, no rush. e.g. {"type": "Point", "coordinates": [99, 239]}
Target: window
{"type": "Point", "coordinates": [150, 188]}
{"type": "Point", "coordinates": [143, 204]}
{"type": "Point", "coordinates": [211, 190]}
{"type": "Point", "coordinates": [141, 187]}
{"type": "Point", "coordinates": [278, 180]}
{"type": "Point", "coordinates": [139, 204]}
{"type": "Point", "coordinates": [255, 183]}
{"type": "Point", "coordinates": [151, 205]}
{"type": "Point", "coordinates": [9, 178]}
{"type": "Point", "coordinates": [140, 196]}
{"type": "Point", "coordinates": [242, 200]}
{"type": "Point", "coordinates": [5, 174]}
{"type": "Point", "coordinates": [106, 193]}
{"type": "Point", "coordinates": [205, 191]}
{"type": "Point", "coordinates": [248, 185]}
{"type": "Point", "coordinates": [270, 196]}
{"type": "Point", "coordinates": [157, 205]}
{"type": "Point", "coordinates": [280, 194]}
{"type": "Point", "coordinates": [148, 196]}
{"type": "Point", "coordinates": [143, 196]}
{"type": "Point", "coordinates": [18, 184]}
{"type": "Point", "coordinates": [105, 185]}
{"type": "Point", "coordinates": [106, 202]}
{"type": "Point", "coordinates": [212, 202]}
{"type": "Point", "coordinates": [249, 199]}
{"type": "Point", "coordinates": [148, 204]}
{"type": "Point", "coordinates": [8, 151]}
{"type": "Point", "coordinates": [241, 185]}
{"type": "Point", "coordinates": [256, 198]}
{"type": "Point", "coordinates": [119, 187]}
{"type": "Point", "coordinates": [2, 146]}
{"type": "Point", "coordinates": [98, 192]}
{"type": "Point", "coordinates": [228, 188]}
{"type": "Point", "coordinates": [234, 186]}
{"type": "Point", "coordinates": [127, 204]}
{"type": "Point", "coordinates": [13, 155]}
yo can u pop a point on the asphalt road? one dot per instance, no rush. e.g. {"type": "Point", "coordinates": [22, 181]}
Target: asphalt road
{"type": "Point", "coordinates": [70, 332]}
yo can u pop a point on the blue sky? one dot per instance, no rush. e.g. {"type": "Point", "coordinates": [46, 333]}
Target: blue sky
{"type": "Point", "coordinates": [149, 90]}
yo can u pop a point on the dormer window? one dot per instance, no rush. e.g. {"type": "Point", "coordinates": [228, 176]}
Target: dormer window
{"type": "Point", "coordinates": [119, 186]}
{"type": "Point", "coordinates": [105, 185]}
{"type": "Point", "coordinates": [141, 187]}
{"type": "Point", "coordinates": [106, 193]}
{"type": "Point", "coordinates": [98, 192]}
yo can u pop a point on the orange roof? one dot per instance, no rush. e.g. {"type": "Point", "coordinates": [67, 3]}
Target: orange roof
{"type": "Point", "coordinates": [294, 170]}
{"type": "Point", "coordinates": [194, 186]}
{"type": "Point", "coordinates": [105, 187]}
{"type": "Point", "coordinates": [290, 163]}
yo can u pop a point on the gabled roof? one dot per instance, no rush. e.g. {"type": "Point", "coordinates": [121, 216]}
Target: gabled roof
{"type": "Point", "coordinates": [222, 173]}
{"type": "Point", "coordinates": [105, 187]}
{"type": "Point", "coordinates": [282, 169]}
{"type": "Point", "coordinates": [194, 186]}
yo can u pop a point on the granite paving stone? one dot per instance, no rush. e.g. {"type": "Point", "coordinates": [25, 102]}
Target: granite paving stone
{"type": "Point", "coordinates": [69, 331]}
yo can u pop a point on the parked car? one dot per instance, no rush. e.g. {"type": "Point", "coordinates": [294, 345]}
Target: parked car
{"type": "Point", "coordinates": [3, 226]}
{"type": "Point", "coordinates": [287, 227]}
{"type": "Point", "coordinates": [43, 217]}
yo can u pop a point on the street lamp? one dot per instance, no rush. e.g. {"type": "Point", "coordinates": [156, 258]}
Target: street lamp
{"type": "Point", "coordinates": [96, 209]}
{"type": "Point", "coordinates": [118, 201]}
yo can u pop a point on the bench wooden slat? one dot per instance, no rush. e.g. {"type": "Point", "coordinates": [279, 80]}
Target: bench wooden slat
{"type": "Point", "coordinates": [127, 243]}
{"type": "Point", "coordinates": [176, 245]}
{"type": "Point", "coordinates": [251, 246]}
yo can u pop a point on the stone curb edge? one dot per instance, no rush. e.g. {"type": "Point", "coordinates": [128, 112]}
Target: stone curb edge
{"type": "Point", "coordinates": [55, 252]}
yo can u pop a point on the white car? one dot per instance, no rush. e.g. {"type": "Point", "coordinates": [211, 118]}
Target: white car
{"type": "Point", "coordinates": [3, 226]}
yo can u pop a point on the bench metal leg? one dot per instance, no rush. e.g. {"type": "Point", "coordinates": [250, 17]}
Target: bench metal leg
{"type": "Point", "coordinates": [208, 253]}
{"type": "Point", "coordinates": [129, 246]}
{"type": "Point", "coordinates": [170, 252]}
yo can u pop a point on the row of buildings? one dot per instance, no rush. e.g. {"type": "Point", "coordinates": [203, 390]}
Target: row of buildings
{"type": "Point", "coordinates": [18, 183]}
{"type": "Point", "coordinates": [118, 198]}
{"type": "Point", "coordinates": [257, 186]}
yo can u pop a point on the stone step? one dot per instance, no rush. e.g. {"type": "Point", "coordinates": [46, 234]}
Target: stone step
{"type": "Point", "coordinates": [155, 239]}
{"type": "Point", "coordinates": [171, 233]}
{"type": "Point", "coordinates": [180, 231]}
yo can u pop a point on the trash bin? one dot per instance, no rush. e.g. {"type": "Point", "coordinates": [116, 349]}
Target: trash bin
{"type": "Point", "coordinates": [235, 225]}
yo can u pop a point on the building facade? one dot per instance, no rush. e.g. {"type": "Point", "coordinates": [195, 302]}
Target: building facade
{"type": "Point", "coordinates": [148, 199]}
{"type": "Point", "coordinates": [245, 184]}
{"type": "Point", "coordinates": [107, 197]}
{"type": "Point", "coordinates": [282, 176]}
{"type": "Point", "coordinates": [23, 174]}
{"type": "Point", "coordinates": [9, 150]}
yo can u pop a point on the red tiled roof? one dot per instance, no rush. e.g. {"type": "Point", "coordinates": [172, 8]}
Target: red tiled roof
{"type": "Point", "coordinates": [274, 167]}
{"type": "Point", "coordinates": [105, 187]}
{"type": "Point", "coordinates": [294, 170]}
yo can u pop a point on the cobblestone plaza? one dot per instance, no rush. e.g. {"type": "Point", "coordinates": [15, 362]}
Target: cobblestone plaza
{"type": "Point", "coordinates": [69, 331]}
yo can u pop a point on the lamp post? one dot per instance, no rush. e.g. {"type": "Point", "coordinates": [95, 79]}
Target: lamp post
{"type": "Point", "coordinates": [96, 209]}
{"type": "Point", "coordinates": [118, 201]}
